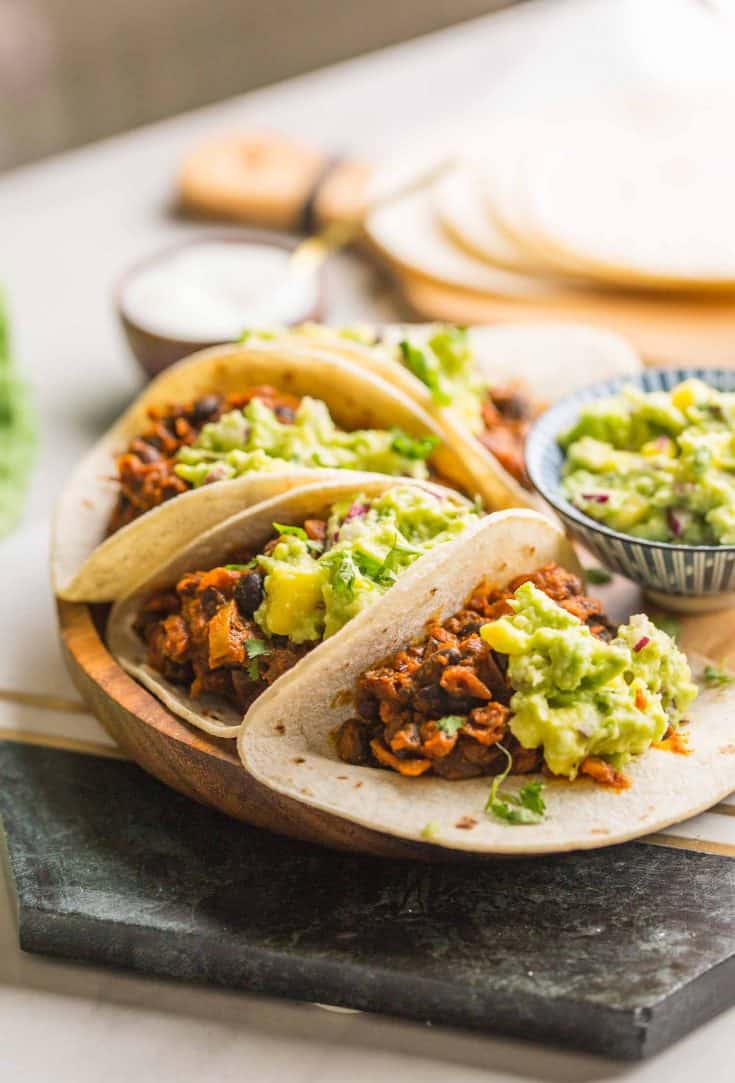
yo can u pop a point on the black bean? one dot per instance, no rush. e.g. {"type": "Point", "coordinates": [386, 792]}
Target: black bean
{"type": "Point", "coordinates": [147, 453]}
{"type": "Point", "coordinates": [205, 407]}
{"type": "Point", "coordinates": [514, 407]}
{"type": "Point", "coordinates": [211, 600]}
{"type": "Point", "coordinates": [285, 414]}
{"type": "Point", "coordinates": [249, 592]}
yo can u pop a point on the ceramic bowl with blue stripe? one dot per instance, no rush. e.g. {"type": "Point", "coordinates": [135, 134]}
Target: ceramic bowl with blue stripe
{"type": "Point", "coordinates": [689, 578]}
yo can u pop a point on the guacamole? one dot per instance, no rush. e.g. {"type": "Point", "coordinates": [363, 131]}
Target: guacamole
{"type": "Point", "coordinates": [657, 465]}
{"type": "Point", "coordinates": [255, 439]}
{"type": "Point", "coordinates": [576, 695]}
{"type": "Point", "coordinates": [446, 366]}
{"type": "Point", "coordinates": [231, 631]}
{"type": "Point", "coordinates": [313, 589]}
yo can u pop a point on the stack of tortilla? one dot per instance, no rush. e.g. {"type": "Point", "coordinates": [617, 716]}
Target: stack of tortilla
{"type": "Point", "coordinates": [619, 219]}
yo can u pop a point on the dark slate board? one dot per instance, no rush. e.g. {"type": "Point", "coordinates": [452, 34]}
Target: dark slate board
{"type": "Point", "coordinates": [618, 952]}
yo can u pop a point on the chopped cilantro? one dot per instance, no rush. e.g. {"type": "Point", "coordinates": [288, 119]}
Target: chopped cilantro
{"type": "Point", "coordinates": [245, 336]}
{"type": "Point", "coordinates": [451, 724]}
{"type": "Point", "coordinates": [420, 364]}
{"type": "Point", "coordinates": [297, 531]}
{"type": "Point", "coordinates": [525, 807]}
{"type": "Point", "coordinates": [597, 576]}
{"type": "Point", "coordinates": [530, 797]}
{"type": "Point", "coordinates": [412, 447]}
{"type": "Point", "coordinates": [716, 678]}
{"type": "Point", "coordinates": [430, 830]}
{"type": "Point", "coordinates": [241, 567]}
{"type": "Point", "coordinates": [300, 533]}
{"type": "Point", "coordinates": [451, 345]}
{"type": "Point", "coordinates": [255, 648]}
{"type": "Point", "coordinates": [344, 573]}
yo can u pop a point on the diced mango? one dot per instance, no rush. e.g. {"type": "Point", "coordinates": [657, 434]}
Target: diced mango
{"type": "Point", "coordinates": [294, 602]}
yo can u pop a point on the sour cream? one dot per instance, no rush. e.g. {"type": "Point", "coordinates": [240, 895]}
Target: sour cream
{"type": "Point", "coordinates": [214, 290]}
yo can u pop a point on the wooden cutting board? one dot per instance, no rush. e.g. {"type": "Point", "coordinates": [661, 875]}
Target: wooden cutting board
{"type": "Point", "coordinates": [271, 181]}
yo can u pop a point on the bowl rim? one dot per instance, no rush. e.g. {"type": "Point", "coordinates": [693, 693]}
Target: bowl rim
{"type": "Point", "coordinates": [235, 235]}
{"type": "Point", "coordinates": [543, 432]}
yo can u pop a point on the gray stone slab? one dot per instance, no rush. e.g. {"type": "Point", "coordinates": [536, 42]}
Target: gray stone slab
{"type": "Point", "coordinates": [620, 951]}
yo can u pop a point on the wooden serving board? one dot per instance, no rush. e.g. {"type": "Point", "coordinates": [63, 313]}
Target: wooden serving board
{"type": "Point", "coordinates": [208, 769]}
{"type": "Point", "coordinates": [270, 181]}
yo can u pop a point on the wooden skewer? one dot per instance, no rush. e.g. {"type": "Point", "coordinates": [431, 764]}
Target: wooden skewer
{"type": "Point", "coordinates": [65, 744]}
{"type": "Point", "coordinates": [43, 702]}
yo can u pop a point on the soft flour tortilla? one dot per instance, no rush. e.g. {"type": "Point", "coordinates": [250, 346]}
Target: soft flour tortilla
{"type": "Point", "coordinates": [460, 206]}
{"type": "Point", "coordinates": [552, 359]}
{"type": "Point", "coordinates": [247, 531]}
{"type": "Point", "coordinates": [87, 567]}
{"type": "Point", "coordinates": [287, 738]}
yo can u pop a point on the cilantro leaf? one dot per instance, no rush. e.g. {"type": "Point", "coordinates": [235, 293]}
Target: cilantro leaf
{"type": "Point", "coordinates": [597, 576]}
{"type": "Point", "coordinates": [525, 807]}
{"type": "Point", "coordinates": [419, 363]}
{"type": "Point", "coordinates": [430, 830]}
{"type": "Point", "coordinates": [717, 678]}
{"type": "Point", "coordinates": [412, 447]}
{"type": "Point", "coordinates": [531, 799]}
{"type": "Point", "coordinates": [241, 567]}
{"type": "Point", "coordinates": [514, 814]}
{"type": "Point", "coordinates": [451, 724]}
{"type": "Point", "coordinates": [255, 648]}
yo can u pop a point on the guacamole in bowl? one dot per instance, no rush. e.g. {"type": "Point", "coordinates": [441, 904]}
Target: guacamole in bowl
{"type": "Point", "coordinates": [642, 471]}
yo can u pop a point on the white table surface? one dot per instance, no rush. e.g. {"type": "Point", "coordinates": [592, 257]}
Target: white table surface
{"type": "Point", "coordinates": [68, 227]}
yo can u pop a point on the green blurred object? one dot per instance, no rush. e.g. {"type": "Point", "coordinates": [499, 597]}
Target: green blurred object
{"type": "Point", "coordinates": [17, 434]}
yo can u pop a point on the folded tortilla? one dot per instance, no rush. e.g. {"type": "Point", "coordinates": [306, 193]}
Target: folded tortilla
{"type": "Point", "coordinates": [88, 567]}
{"type": "Point", "coordinates": [551, 359]}
{"type": "Point", "coordinates": [249, 531]}
{"type": "Point", "coordinates": [287, 737]}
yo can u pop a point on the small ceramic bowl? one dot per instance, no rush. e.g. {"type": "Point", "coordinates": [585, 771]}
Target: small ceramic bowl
{"type": "Point", "coordinates": [686, 578]}
{"type": "Point", "coordinates": [154, 351]}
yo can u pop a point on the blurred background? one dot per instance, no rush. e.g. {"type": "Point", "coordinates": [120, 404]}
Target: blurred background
{"type": "Point", "coordinates": [72, 71]}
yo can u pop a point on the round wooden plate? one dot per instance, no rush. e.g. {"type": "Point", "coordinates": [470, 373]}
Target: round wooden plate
{"type": "Point", "coordinates": [204, 768]}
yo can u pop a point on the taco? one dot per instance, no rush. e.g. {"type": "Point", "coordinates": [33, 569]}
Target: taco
{"type": "Point", "coordinates": [236, 609]}
{"type": "Point", "coordinates": [484, 385]}
{"type": "Point", "coordinates": [255, 419]}
{"type": "Point", "coordinates": [502, 713]}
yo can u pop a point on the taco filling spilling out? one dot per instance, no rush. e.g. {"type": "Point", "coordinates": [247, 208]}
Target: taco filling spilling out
{"type": "Point", "coordinates": [232, 630]}
{"type": "Point", "coordinates": [220, 437]}
{"type": "Point", "coordinates": [533, 675]}
{"type": "Point", "coordinates": [498, 416]}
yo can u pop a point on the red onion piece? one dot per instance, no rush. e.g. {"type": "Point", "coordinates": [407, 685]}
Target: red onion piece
{"type": "Point", "coordinates": [357, 510]}
{"type": "Point", "coordinates": [598, 498]}
{"type": "Point", "coordinates": [642, 642]}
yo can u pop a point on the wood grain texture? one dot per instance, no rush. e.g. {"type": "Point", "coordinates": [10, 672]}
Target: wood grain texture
{"type": "Point", "coordinates": [206, 769]}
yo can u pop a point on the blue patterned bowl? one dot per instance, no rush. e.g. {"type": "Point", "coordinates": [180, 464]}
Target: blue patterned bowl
{"type": "Point", "coordinates": [689, 578]}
